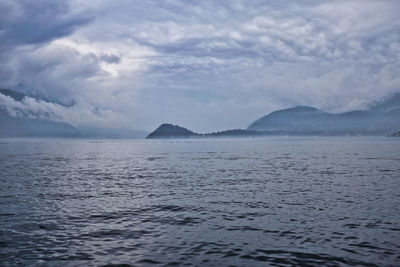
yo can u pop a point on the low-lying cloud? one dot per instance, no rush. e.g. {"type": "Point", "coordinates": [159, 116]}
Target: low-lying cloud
{"type": "Point", "coordinates": [76, 115]}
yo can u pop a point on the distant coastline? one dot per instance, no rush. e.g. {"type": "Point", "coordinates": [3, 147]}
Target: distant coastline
{"type": "Point", "coordinates": [380, 119]}
{"type": "Point", "coordinates": [162, 133]}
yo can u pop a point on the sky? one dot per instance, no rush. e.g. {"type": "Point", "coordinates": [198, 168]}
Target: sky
{"type": "Point", "coordinates": [204, 65]}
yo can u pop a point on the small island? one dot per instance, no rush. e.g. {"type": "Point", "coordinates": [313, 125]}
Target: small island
{"type": "Point", "coordinates": [167, 130]}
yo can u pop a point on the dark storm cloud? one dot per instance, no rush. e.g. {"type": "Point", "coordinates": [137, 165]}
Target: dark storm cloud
{"type": "Point", "coordinates": [25, 27]}
{"type": "Point", "coordinates": [29, 22]}
{"type": "Point", "coordinates": [113, 59]}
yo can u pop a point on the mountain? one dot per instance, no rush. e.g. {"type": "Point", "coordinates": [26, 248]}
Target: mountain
{"type": "Point", "coordinates": [381, 118]}
{"type": "Point", "coordinates": [389, 105]}
{"type": "Point", "coordinates": [20, 122]}
{"type": "Point", "coordinates": [174, 131]}
{"type": "Point", "coordinates": [31, 127]}
{"type": "Point", "coordinates": [396, 134]}
{"type": "Point", "coordinates": [301, 119]}
{"type": "Point", "coordinates": [28, 124]}
{"type": "Point", "coordinates": [167, 130]}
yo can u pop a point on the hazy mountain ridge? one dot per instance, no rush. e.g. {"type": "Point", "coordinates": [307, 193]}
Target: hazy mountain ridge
{"type": "Point", "coordinates": [22, 123]}
{"type": "Point", "coordinates": [381, 118]}
{"type": "Point", "coordinates": [31, 127]}
{"type": "Point", "coordinates": [19, 122]}
{"type": "Point", "coordinates": [396, 134]}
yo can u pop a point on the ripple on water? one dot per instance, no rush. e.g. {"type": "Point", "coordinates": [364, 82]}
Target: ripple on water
{"type": "Point", "coordinates": [258, 202]}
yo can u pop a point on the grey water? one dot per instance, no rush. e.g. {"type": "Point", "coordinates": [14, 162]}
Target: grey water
{"type": "Point", "coordinates": [310, 201]}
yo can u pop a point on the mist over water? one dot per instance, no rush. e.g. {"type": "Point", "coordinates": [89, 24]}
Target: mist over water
{"type": "Point", "coordinates": [246, 202]}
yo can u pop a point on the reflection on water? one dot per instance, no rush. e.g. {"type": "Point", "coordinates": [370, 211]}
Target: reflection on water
{"type": "Point", "coordinates": [243, 202]}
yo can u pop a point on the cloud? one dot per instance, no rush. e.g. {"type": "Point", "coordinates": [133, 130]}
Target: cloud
{"type": "Point", "coordinates": [30, 22]}
{"type": "Point", "coordinates": [206, 65]}
{"type": "Point", "coordinates": [111, 59]}
{"type": "Point", "coordinates": [76, 115]}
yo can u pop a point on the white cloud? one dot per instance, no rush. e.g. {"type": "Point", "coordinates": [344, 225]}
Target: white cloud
{"type": "Point", "coordinates": [208, 65]}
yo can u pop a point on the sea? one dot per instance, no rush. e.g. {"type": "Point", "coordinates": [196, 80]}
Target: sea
{"type": "Point", "coordinates": [270, 201]}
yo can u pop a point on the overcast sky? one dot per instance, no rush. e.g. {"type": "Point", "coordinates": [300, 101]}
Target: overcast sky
{"type": "Point", "coordinates": [205, 65]}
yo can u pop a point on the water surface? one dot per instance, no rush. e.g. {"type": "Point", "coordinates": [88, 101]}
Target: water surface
{"type": "Point", "coordinates": [208, 202]}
